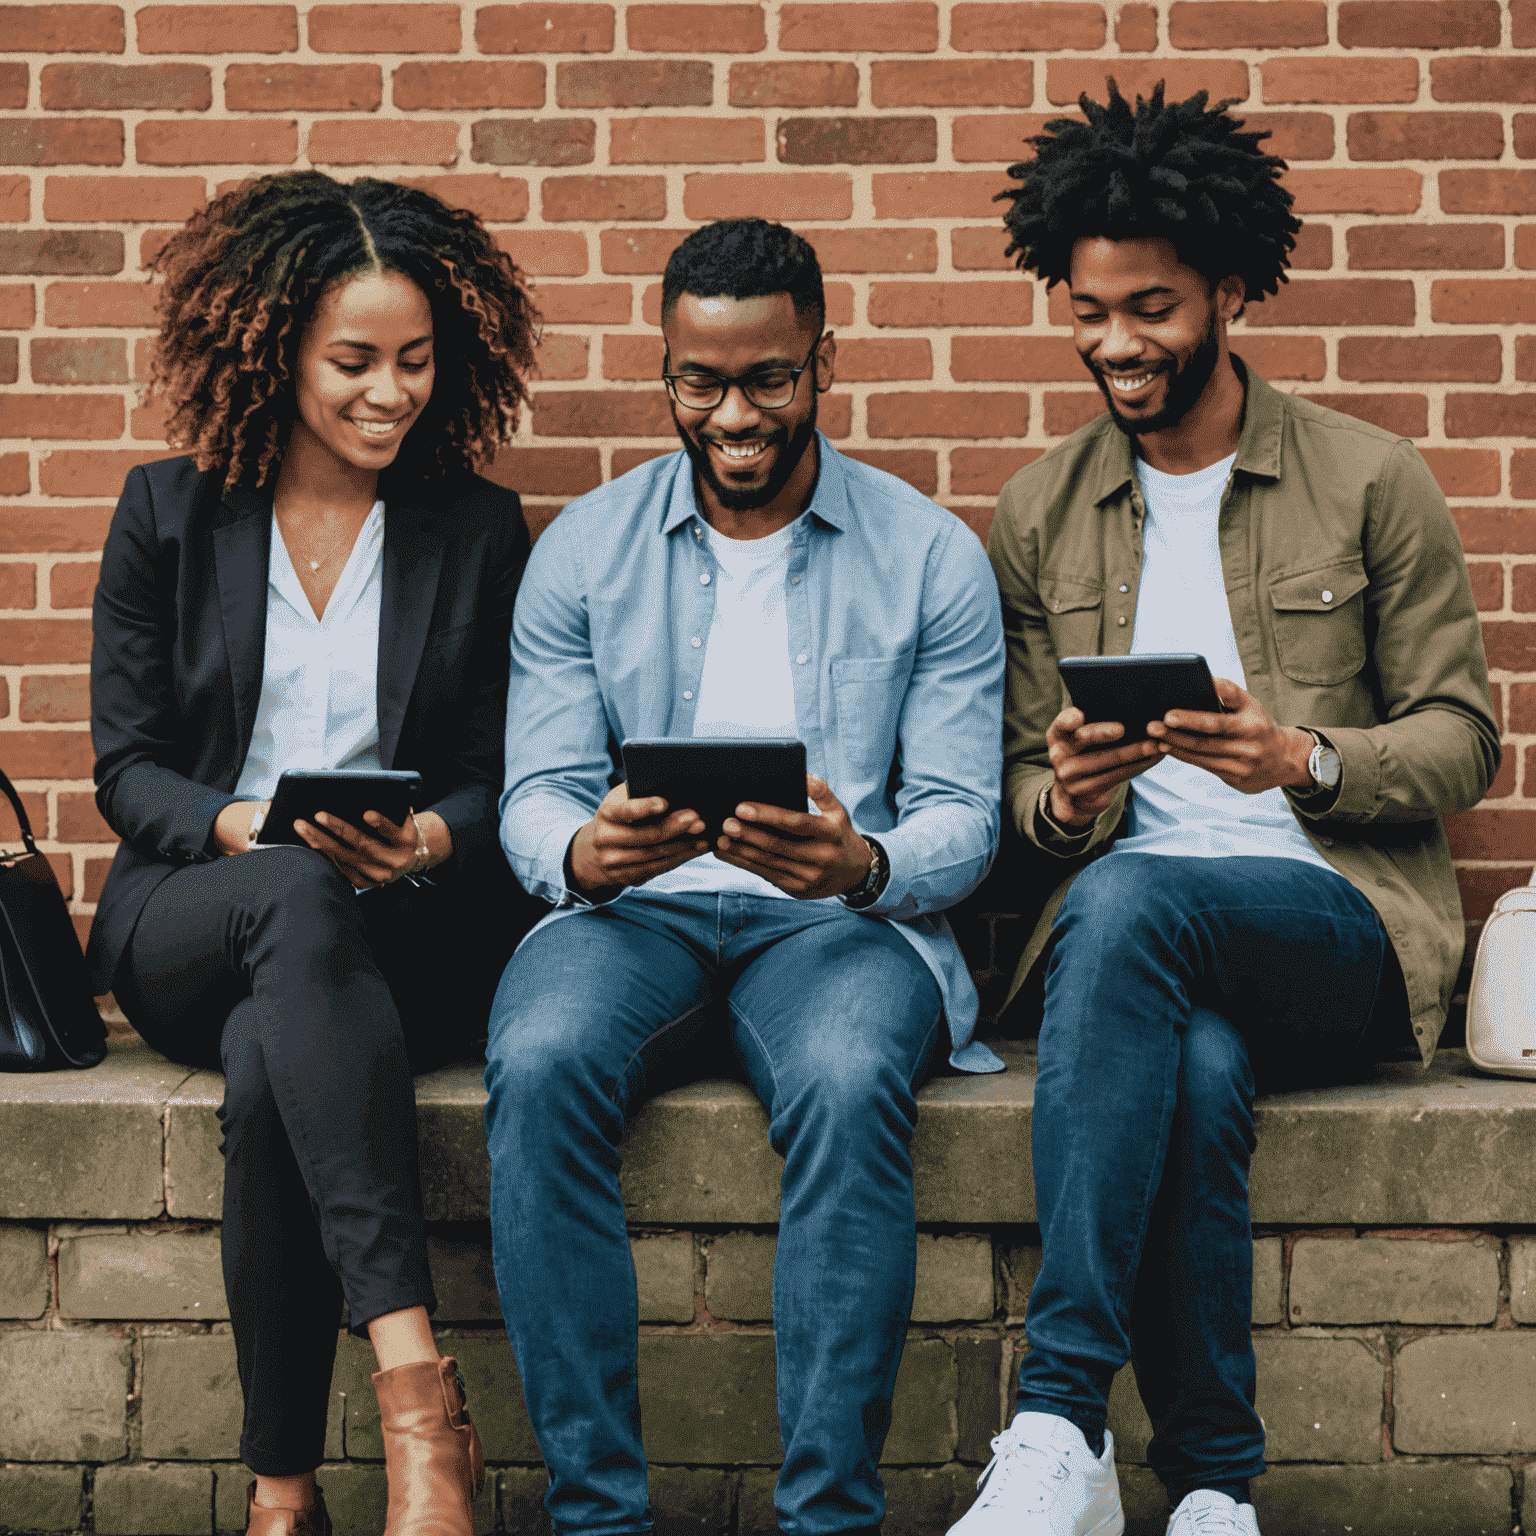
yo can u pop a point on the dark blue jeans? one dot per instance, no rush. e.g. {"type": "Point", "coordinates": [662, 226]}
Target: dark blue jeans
{"type": "Point", "coordinates": [1170, 981]}
{"type": "Point", "coordinates": [834, 1017]}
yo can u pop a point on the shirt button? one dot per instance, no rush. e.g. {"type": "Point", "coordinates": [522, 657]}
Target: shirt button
{"type": "Point", "coordinates": [687, 693]}
{"type": "Point", "coordinates": [1327, 595]}
{"type": "Point", "coordinates": [694, 642]}
{"type": "Point", "coordinates": [704, 580]}
{"type": "Point", "coordinates": [1124, 587]}
{"type": "Point", "coordinates": [794, 581]}
{"type": "Point", "coordinates": [801, 659]}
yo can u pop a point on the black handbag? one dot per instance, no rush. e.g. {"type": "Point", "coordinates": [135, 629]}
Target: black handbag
{"type": "Point", "coordinates": [48, 1018]}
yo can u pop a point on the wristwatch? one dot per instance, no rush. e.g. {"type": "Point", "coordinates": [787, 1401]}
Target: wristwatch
{"type": "Point", "coordinates": [868, 890]}
{"type": "Point", "coordinates": [1323, 763]}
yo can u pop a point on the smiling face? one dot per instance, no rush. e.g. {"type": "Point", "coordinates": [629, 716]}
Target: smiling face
{"type": "Point", "coordinates": [1151, 330]}
{"type": "Point", "coordinates": [747, 457]}
{"type": "Point", "coordinates": [365, 369]}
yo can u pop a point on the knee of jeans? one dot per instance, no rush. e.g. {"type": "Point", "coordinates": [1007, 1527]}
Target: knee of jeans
{"type": "Point", "coordinates": [538, 1057]}
{"type": "Point", "coordinates": [1114, 895]}
{"type": "Point", "coordinates": [847, 1088]}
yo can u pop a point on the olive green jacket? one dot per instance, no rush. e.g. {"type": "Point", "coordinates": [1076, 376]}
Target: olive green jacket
{"type": "Point", "coordinates": [1353, 615]}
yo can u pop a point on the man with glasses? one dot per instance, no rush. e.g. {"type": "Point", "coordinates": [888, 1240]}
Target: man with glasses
{"type": "Point", "coordinates": [757, 584]}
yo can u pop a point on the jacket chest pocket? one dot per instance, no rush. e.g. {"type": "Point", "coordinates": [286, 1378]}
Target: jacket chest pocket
{"type": "Point", "coordinates": [1320, 623]}
{"type": "Point", "coordinates": [868, 693]}
{"type": "Point", "coordinates": [1072, 614]}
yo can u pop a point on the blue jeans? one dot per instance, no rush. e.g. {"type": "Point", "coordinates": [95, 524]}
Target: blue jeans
{"type": "Point", "coordinates": [1170, 980]}
{"type": "Point", "coordinates": [834, 1017]}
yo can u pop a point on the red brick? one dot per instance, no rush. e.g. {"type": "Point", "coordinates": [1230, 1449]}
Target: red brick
{"type": "Point", "coordinates": [1421, 359]}
{"type": "Point", "coordinates": [835, 416]}
{"type": "Point", "coordinates": [1497, 531]}
{"type": "Point", "coordinates": [557, 26]}
{"type": "Point", "coordinates": [936, 194]}
{"type": "Point", "coordinates": [1388, 191]}
{"type": "Point", "coordinates": [632, 358]}
{"type": "Point", "coordinates": [1479, 415]}
{"type": "Point", "coordinates": [780, 195]}
{"type": "Point", "coordinates": [684, 140]}
{"type": "Point", "coordinates": [1425, 136]}
{"type": "Point", "coordinates": [110, 87]}
{"type": "Point", "coordinates": [866, 361]}
{"type": "Point", "coordinates": [534, 141]}
{"type": "Point", "coordinates": [496, 199]}
{"type": "Point", "coordinates": [857, 140]}
{"type": "Point", "coordinates": [940, 413]}
{"type": "Point", "coordinates": [217, 29]}
{"type": "Point", "coordinates": [980, 250]}
{"type": "Point", "coordinates": [919, 467]}
{"type": "Point", "coordinates": [15, 478]}
{"type": "Point", "coordinates": [1343, 81]}
{"type": "Point", "coordinates": [638, 251]}
{"type": "Point", "coordinates": [1337, 301]}
{"type": "Point", "coordinates": [148, 422]}
{"type": "Point", "coordinates": [1482, 80]}
{"type": "Point", "coordinates": [1059, 306]}
{"type": "Point", "coordinates": [984, 471]}
{"type": "Point", "coordinates": [86, 360]}
{"type": "Point", "coordinates": [49, 754]}
{"type": "Point", "coordinates": [72, 584]}
{"type": "Point", "coordinates": [393, 28]}
{"type": "Point", "coordinates": [35, 804]}
{"type": "Point", "coordinates": [1522, 17]}
{"type": "Point", "coordinates": [1488, 191]}
{"type": "Point", "coordinates": [1293, 135]}
{"type": "Point", "coordinates": [626, 459]}
{"type": "Point", "coordinates": [546, 252]}
{"type": "Point", "coordinates": [1525, 246]}
{"type": "Point", "coordinates": [1426, 247]}
{"type": "Point", "coordinates": [1524, 135]}
{"type": "Point", "coordinates": [560, 356]}
{"type": "Point", "coordinates": [876, 250]}
{"type": "Point", "coordinates": [880, 26]}
{"type": "Point", "coordinates": [999, 137]}
{"type": "Point", "coordinates": [217, 143]}
{"type": "Point", "coordinates": [1464, 471]}
{"type": "Point", "coordinates": [1025, 28]}
{"type": "Point", "coordinates": [1313, 249]}
{"type": "Point", "coordinates": [1136, 28]}
{"type": "Point", "coordinates": [1248, 24]}
{"type": "Point", "coordinates": [1522, 479]}
{"type": "Point", "coordinates": [714, 28]}
{"type": "Point", "coordinates": [1034, 359]}
{"type": "Point", "coordinates": [304, 87]}
{"type": "Point", "coordinates": [547, 471]}
{"type": "Point", "coordinates": [356, 141]}
{"type": "Point", "coordinates": [808, 84]}
{"type": "Point", "coordinates": [1067, 79]}
{"type": "Point", "coordinates": [124, 199]}
{"type": "Point", "coordinates": [62, 28]}
{"type": "Point", "coordinates": [1511, 647]}
{"type": "Point", "coordinates": [1402, 415]}
{"type": "Point", "coordinates": [1525, 358]}
{"type": "Point", "coordinates": [18, 585]}
{"type": "Point", "coordinates": [634, 83]}
{"type": "Point", "coordinates": [55, 698]}
{"type": "Point", "coordinates": [1523, 596]}
{"type": "Point", "coordinates": [1403, 24]}
{"type": "Point", "coordinates": [25, 530]}
{"type": "Point", "coordinates": [971, 303]}
{"type": "Point", "coordinates": [1483, 301]}
{"type": "Point", "coordinates": [10, 359]}
{"type": "Point", "coordinates": [13, 85]}
{"type": "Point", "coordinates": [67, 416]}
{"type": "Point", "coordinates": [1064, 413]}
{"type": "Point", "coordinates": [602, 413]}
{"type": "Point", "coordinates": [44, 642]}
{"type": "Point", "coordinates": [80, 821]}
{"type": "Point", "coordinates": [586, 303]}
{"type": "Point", "coordinates": [17, 306]}
{"type": "Point", "coordinates": [90, 472]}
{"type": "Point", "coordinates": [951, 83]}
{"type": "Point", "coordinates": [15, 199]}
{"type": "Point", "coordinates": [61, 141]}
{"type": "Point", "coordinates": [604, 198]}
{"type": "Point", "coordinates": [466, 86]}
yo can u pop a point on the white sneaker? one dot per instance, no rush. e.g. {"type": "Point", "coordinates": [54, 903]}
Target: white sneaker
{"type": "Point", "coordinates": [1044, 1481]}
{"type": "Point", "coordinates": [1208, 1513]}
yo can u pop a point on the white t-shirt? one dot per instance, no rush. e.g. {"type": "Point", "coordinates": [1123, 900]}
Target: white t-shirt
{"type": "Point", "coordinates": [1182, 606]}
{"type": "Point", "coordinates": [747, 688]}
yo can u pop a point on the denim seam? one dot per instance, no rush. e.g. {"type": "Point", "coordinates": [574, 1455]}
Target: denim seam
{"type": "Point", "coordinates": [650, 1039]}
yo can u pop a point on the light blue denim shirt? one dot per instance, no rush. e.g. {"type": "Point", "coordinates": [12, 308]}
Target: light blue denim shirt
{"type": "Point", "coordinates": [896, 645]}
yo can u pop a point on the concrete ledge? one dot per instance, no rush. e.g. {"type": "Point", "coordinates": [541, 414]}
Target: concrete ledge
{"type": "Point", "coordinates": [137, 1137]}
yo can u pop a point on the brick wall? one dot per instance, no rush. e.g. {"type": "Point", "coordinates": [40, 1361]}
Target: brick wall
{"type": "Point", "coordinates": [592, 136]}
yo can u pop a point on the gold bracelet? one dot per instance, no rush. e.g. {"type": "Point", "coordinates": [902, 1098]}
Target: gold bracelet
{"type": "Point", "coordinates": [423, 853]}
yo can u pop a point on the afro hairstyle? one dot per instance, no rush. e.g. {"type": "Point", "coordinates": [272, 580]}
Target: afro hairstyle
{"type": "Point", "coordinates": [745, 259]}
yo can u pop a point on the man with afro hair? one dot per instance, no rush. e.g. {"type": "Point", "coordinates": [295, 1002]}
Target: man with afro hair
{"type": "Point", "coordinates": [1265, 894]}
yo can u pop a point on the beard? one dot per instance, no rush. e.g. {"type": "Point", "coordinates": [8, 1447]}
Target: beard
{"type": "Point", "coordinates": [1185, 386]}
{"type": "Point", "coordinates": [734, 498]}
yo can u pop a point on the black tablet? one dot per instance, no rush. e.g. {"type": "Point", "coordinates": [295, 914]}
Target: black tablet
{"type": "Point", "coordinates": [1137, 689]}
{"type": "Point", "coordinates": [343, 792]}
{"type": "Point", "coordinates": [714, 774]}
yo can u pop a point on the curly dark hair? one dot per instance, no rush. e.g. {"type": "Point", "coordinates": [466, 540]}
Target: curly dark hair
{"type": "Point", "coordinates": [1178, 173]}
{"type": "Point", "coordinates": [242, 280]}
{"type": "Point", "coordinates": [745, 259]}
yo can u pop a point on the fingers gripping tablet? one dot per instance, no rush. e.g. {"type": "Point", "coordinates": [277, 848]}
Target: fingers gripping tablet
{"type": "Point", "coordinates": [1137, 689]}
{"type": "Point", "coordinates": [343, 792]}
{"type": "Point", "coordinates": [713, 775]}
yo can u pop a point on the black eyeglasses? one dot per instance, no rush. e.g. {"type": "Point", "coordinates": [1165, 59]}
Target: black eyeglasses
{"type": "Point", "coordinates": [770, 389]}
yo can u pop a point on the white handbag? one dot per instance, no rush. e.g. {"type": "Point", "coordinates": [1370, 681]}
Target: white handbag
{"type": "Point", "coordinates": [1501, 1003]}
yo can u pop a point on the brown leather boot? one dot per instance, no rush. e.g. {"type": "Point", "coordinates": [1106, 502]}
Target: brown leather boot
{"type": "Point", "coordinates": [261, 1521]}
{"type": "Point", "coordinates": [432, 1455]}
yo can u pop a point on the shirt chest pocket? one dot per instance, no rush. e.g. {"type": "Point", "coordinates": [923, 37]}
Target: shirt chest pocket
{"type": "Point", "coordinates": [868, 693]}
{"type": "Point", "coordinates": [1320, 623]}
{"type": "Point", "coordinates": [1072, 607]}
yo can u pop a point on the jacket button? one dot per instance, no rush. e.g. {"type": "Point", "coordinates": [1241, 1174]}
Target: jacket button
{"type": "Point", "coordinates": [694, 642]}
{"type": "Point", "coordinates": [1121, 619]}
{"type": "Point", "coordinates": [687, 693]}
{"type": "Point", "coordinates": [801, 659]}
{"type": "Point", "coordinates": [1327, 595]}
{"type": "Point", "coordinates": [1124, 587]}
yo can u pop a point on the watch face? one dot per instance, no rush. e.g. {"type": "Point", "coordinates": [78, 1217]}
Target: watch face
{"type": "Point", "coordinates": [1326, 767]}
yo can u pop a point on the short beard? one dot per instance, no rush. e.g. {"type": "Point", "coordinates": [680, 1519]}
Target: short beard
{"type": "Point", "coordinates": [1184, 388]}
{"type": "Point", "coordinates": [733, 498]}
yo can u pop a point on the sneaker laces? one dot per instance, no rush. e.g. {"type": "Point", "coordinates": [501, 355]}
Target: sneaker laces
{"type": "Point", "coordinates": [1014, 1459]}
{"type": "Point", "coordinates": [1214, 1516]}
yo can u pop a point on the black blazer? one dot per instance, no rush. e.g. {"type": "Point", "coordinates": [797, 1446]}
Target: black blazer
{"type": "Point", "coordinates": [180, 623]}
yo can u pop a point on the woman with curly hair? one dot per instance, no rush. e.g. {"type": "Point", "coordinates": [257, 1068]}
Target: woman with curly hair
{"type": "Point", "coordinates": [322, 582]}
